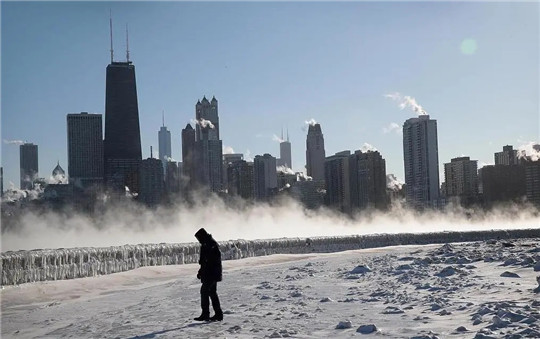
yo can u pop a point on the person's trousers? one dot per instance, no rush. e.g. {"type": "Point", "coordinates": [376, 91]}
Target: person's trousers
{"type": "Point", "coordinates": [209, 292]}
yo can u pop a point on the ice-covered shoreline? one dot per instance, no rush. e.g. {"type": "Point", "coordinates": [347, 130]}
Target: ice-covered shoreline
{"type": "Point", "coordinates": [58, 264]}
{"type": "Point", "coordinates": [482, 289]}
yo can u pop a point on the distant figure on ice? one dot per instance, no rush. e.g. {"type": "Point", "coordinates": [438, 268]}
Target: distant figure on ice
{"type": "Point", "coordinates": [209, 273]}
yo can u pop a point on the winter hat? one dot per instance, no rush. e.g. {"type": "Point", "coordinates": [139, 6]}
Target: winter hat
{"type": "Point", "coordinates": [201, 234]}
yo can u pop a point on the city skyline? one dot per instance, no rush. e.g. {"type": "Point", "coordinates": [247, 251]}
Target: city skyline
{"type": "Point", "coordinates": [350, 114]}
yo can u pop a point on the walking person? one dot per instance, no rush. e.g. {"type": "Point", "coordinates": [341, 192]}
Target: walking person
{"type": "Point", "coordinates": [209, 273]}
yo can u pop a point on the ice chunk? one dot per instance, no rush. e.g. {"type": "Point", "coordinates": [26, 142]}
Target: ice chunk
{"type": "Point", "coordinates": [366, 329]}
{"type": "Point", "coordinates": [343, 325]}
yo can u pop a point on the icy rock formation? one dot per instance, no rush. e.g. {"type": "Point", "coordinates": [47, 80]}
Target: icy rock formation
{"type": "Point", "coordinates": [366, 329]}
{"type": "Point", "coordinates": [509, 274]}
{"type": "Point", "coordinates": [57, 264]}
{"type": "Point", "coordinates": [343, 325]}
{"type": "Point", "coordinates": [360, 269]}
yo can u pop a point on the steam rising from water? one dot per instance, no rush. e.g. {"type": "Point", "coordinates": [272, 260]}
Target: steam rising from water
{"type": "Point", "coordinates": [133, 224]}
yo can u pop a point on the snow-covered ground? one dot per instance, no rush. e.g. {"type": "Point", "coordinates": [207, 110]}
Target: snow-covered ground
{"type": "Point", "coordinates": [470, 290]}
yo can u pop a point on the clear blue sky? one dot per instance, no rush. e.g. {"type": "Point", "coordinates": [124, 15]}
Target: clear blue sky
{"type": "Point", "coordinates": [273, 65]}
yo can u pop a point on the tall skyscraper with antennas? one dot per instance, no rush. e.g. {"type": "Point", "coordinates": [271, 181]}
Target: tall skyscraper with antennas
{"type": "Point", "coordinates": [285, 158]}
{"type": "Point", "coordinates": [164, 137]}
{"type": "Point", "coordinates": [122, 144]}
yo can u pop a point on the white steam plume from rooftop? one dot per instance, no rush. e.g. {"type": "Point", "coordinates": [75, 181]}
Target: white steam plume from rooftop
{"type": "Point", "coordinates": [405, 101]}
{"type": "Point", "coordinates": [204, 123]}
{"type": "Point", "coordinates": [530, 151]}
{"type": "Point", "coordinates": [13, 142]}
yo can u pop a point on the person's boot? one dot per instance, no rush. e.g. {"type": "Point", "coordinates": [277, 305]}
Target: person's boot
{"type": "Point", "coordinates": [217, 317]}
{"type": "Point", "coordinates": [203, 317]}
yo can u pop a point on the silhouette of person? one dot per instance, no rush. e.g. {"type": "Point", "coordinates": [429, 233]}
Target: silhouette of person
{"type": "Point", "coordinates": [209, 273]}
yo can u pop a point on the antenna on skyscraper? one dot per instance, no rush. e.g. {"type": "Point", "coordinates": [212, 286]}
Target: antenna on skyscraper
{"type": "Point", "coordinates": [163, 117]}
{"type": "Point", "coordinates": [110, 25]}
{"type": "Point", "coordinates": [127, 43]}
{"type": "Point", "coordinates": [151, 154]}
{"type": "Point", "coordinates": [287, 134]}
{"type": "Point", "coordinates": [281, 133]}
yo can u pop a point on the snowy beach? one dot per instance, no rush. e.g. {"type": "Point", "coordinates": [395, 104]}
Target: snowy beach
{"type": "Point", "coordinates": [483, 289]}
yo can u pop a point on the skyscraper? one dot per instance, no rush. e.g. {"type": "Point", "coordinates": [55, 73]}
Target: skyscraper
{"type": "Point", "coordinates": [368, 180]}
{"type": "Point", "coordinates": [85, 149]}
{"type": "Point", "coordinates": [315, 153]}
{"type": "Point", "coordinates": [461, 178]}
{"type": "Point", "coordinates": [310, 193]}
{"type": "Point", "coordinates": [240, 179]}
{"type": "Point", "coordinates": [229, 159]}
{"type": "Point", "coordinates": [503, 183]}
{"type": "Point", "coordinates": [151, 179]}
{"type": "Point", "coordinates": [508, 156]}
{"type": "Point", "coordinates": [122, 144]}
{"type": "Point", "coordinates": [421, 160]}
{"type": "Point", "coordinates": [208, 146]}
{"type": "Point", "coordinates": [172, 178]}
{"type": "Point", "coordinates": [28, 153]}
{"type": "Point", "coordinates": [264, 176]}
{"type": "Point", "coordinates": [337, 181]}
{"type": "Point", "coordinates": [164, 136]}
{"type": "Point", "coordinates": [285, 158]}
{"type": "Point", "coordinates": [532, 181]}
{"type": "Point", "coordinates": [188, 154]}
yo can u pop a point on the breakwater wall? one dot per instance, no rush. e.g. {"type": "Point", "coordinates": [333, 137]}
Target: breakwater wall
{"type": "Point", "coordinates": [57, 264]}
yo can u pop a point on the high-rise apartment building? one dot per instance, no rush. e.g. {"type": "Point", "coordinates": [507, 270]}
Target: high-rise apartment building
{"type": "Point", "coordinates": [85, 149]}
{"type": "Point", "coordinates": [240, 179]}
{"type": "Point", "coordinates": [508, 156]}
{"type": "Point", "coordinates": [532, 181]}
{"type": "Point", "coordinates": [421, 160]}
{"type": "Point", "coordinates": [28, 154]}
{"type": "Point", "coordinates": [461, 179]}
{"type": "Point", "coordinates": [310, 193]}
{"type": "Point", "coordinates": [315, 154]}
{"type": "Point", "coordinates": [122, 144]}
{"type": "Point", "coordinates": [337, 181]}
{"type": "Point", "coordinates": [151, 181]}
{"type": "Point", "coordinates": [172, 178]}
{"type": "Point", "coordinates": [229, 159]}
{"type": "Point", "coordinates": [503, 183]}
{"type": "Point", "coordinates": [264, 177]}
{"type": "Point", "coordinates": [367, 172]}
{"type": "Point", "coordinates": [208, 146]}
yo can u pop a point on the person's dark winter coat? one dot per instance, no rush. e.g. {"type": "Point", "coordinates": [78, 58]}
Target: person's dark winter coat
{"type": "Point", "coordinates": [210, 257]}
{"type": "Point", "coordinates": [209, 273]}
